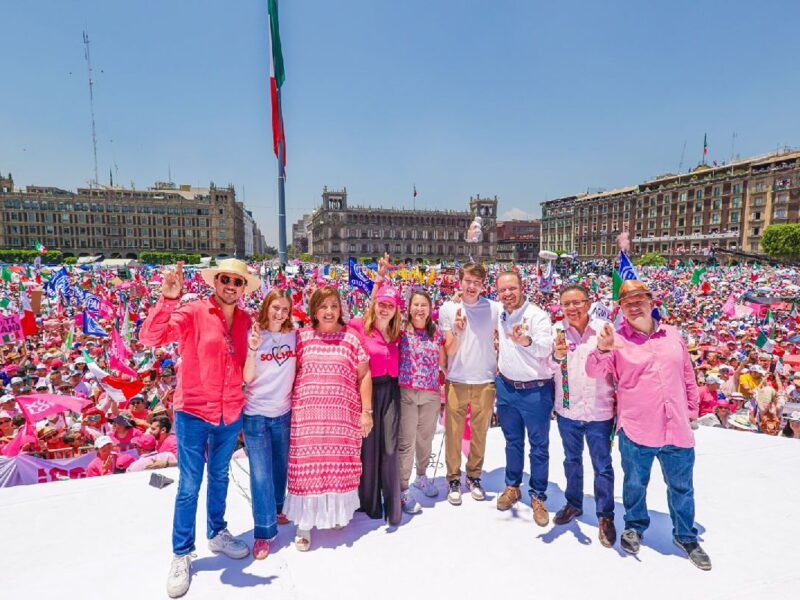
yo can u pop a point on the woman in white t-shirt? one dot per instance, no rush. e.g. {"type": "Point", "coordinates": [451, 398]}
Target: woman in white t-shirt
{"type": "Point", "coordinates": [269, 374]}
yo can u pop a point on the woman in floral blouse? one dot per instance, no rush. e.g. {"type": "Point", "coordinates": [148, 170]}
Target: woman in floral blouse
{"type": "Point", "coordinates": [422, 364]}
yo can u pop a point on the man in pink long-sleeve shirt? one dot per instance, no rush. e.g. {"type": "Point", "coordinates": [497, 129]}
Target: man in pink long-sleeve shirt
{"type": "Point", "coordinates": [212, 341]}
{"type": "Point", "coordinates": [657, 398]}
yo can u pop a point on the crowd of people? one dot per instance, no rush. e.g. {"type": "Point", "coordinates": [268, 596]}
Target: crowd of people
{"type": "Point", "coordinates": [334, 394]}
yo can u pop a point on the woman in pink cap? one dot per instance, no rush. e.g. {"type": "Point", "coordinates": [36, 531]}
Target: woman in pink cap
{"type": "Point", "coordinates": [379, 491]}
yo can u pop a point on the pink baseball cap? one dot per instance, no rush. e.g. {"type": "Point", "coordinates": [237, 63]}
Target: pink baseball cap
{"type": "Point", "coordinates": [388, 293]}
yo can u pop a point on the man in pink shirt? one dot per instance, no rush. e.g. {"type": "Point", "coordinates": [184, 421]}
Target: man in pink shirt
{"type": "Point", "coordinates": [160, 429]}
{"type": "Point", "coordinates": [656, 400]}
{"type": "Point", "coordinates": [585, 411]}
{"type": "Point", "coordinates": [212, 340]}
{"type": "Point", "coordinates": [709, 394]}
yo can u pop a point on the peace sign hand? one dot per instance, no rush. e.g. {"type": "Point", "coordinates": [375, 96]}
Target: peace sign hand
{"type": "Point", "coordinates": [460, 322]}
{"type": "Point", "coordinates": [519, 334]}
{"type": "Point", "coordinates": [384, 264]}
{"type": "Point", "coordinates": [173, 282]}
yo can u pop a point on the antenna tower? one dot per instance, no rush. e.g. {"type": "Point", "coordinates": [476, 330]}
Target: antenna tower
{"type": "Point", "coordinates": [91, 101]}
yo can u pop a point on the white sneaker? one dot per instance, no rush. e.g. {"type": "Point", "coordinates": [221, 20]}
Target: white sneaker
{"type": "Point", "coordinates": [228, 545]}
{"type": "Point", "coordinates": [426, 486]}
{"type": "Point", "coordinates": [454, 496]}
{"type": "Point", "coordinates": [409, 503]}
{"type": "Point", "coordinates": [476, 489]}
{"type": "Point", "coordinates": [180, 575]}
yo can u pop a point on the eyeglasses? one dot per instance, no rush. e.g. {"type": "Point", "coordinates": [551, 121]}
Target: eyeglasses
{"type": "Point", "coordinates": [137, 401]}
{"type": "Point", "coordinates": [574, 303]}
{"type": "Point", "coordinates": [226, 279]}
{"type": "Point", "coordinates": [5, 421]}
{"type": "Point", "coordinates": [93, 418]}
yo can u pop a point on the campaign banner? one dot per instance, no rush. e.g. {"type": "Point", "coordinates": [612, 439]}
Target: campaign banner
{"type": "Point", "coordinates": [26, 469]}
{"type": "Point", "coordinates": [10, 329]}
{"type": "Point", "coordinates": [600, 311]}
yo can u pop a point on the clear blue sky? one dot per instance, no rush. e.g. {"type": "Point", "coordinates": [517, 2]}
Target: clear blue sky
{"type": "Point", "coordinates": [522, 99]}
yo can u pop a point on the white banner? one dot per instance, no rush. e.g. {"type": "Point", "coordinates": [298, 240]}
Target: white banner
{"type": "Point", "coordinates": [26, 469]}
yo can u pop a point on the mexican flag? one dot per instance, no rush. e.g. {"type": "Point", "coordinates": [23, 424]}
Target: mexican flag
{"type": "Point", "coordinates": [27, 318]}
{"type": "Point", "coordinates": [118, 389]}
{"type": "Point", "coordinates": [697, 274]}
{"type": "Point", "coordinates": [616, 283]}
{"type": "Point", "coordinates": [276, 78]}
{"type": "Point", "coordinates": [40, 247]}
{"type": "Point", "coordinates": [764, 343]}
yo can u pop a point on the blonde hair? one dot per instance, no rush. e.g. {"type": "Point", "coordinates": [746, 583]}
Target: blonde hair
{"type": "Point", "coordinates": [395, 323]}
{"type": "Point", "coordinates": [263, 313]}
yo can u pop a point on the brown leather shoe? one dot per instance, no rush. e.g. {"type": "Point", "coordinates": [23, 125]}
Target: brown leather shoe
{"type": "Point", "coordinates": [566, 514]}
{"type": "Point", "coordinates": [540, 515]}
{"type": "Point", "coordinates": [607, 533]}
{"type": "Point", "coordinates": [507, 499]}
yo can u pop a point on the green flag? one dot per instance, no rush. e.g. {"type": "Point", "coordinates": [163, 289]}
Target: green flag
{"type": "Point", "coordinates": [616, 283]}
{"type": "Point", "coordinates": [697, 274]}
{"type": "Point", "coordinates": [6, 274]}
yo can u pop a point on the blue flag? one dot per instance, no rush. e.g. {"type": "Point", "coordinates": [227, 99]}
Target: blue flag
{"type": "Point", "coordinates": [92, 327]}
{"type": "Point", "coordinates": [59, 282]}
{"type": "Point", "coordinates": [358, 278]}
{"type": "Point", "coordinates": [626, 270]}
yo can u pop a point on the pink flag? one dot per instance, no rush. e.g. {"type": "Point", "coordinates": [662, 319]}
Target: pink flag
{"type": "Point", "coordinates": [39, 406]}
{"type": "Point", "coordinates": [118, 355]}
{"type": "Point", "coordinates": [23, 435]}
{"type": "Point", "coordinates": [729, 308]}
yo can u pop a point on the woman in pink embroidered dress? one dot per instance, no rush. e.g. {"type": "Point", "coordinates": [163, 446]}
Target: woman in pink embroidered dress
{"type": "Point", "coordinates": [331, 413]}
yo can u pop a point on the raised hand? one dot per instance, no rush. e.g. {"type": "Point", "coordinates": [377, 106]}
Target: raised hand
{"type": "Point", "coordinates": [561, 347]}
{"type": "Point", "coordinates": [519, 334]}
{"type": "Point", "coordinates": [254, 339]}
{"type": "Point", "coordinates": [460, 322]}
{"type": "Point", "coordinates": [172, 284]}
{"type": "Point", "coordinates": [384, 264]}
{"type": "Point", "coordinates": [605, 338]}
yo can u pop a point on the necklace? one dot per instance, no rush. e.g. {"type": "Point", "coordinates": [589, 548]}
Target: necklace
{"type": "Point", "coordinates": [272, 337]}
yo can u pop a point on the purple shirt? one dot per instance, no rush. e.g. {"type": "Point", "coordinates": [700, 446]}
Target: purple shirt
{"type": "Point", "coordinates": [656, 387]}
{"type": "Point", "coordinates": [590, 399]}
{"type": "Point", "coordinates": [419, 359]}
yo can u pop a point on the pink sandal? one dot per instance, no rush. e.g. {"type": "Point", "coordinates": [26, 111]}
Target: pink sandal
{"type": "Point", "coordinates": [260, 549]}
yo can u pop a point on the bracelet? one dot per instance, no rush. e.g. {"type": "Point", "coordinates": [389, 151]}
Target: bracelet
{"type": "Point", "coordinates": [455, 333]}
{"type": "Point", "coordinates": [368, 411]}
{"type": "Point", "coordinates": [252, 349]}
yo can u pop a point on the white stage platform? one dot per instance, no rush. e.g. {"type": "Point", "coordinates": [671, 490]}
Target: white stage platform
{"type": "Point", "coordinates": [109, 538]}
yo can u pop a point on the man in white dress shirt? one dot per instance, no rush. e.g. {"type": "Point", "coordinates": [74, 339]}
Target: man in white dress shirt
{"type": "Point", "coordinates": [524, 393]}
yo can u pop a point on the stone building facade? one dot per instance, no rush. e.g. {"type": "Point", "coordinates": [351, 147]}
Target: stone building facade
{"type": "Point", "coordinates": [724, 207]}
{"type": "Point", "coordinates": [518, 241]}
{"type": "Point", "coordinates": [338, 231]}
{"type": "Point", "coordinates": [120, 223]}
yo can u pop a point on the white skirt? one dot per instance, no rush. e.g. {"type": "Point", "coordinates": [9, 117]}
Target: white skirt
{"type": "Point", "coordinates": [323, 511]}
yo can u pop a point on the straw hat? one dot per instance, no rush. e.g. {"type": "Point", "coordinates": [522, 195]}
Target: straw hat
{"type": "Point", "coordinates": [235, 267]}
{"type": "Point", "coordinates": [633, 287]}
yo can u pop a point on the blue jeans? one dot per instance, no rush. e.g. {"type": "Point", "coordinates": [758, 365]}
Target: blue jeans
{"type": "Point", "coordinates": [677, 465]}
{"type": "Point", "coordinates": [598, 438]}
{"type": "Point", "coordinates": [518, 410]}
{"type": "Point", "coordinates": [196, 436]}
{"type": "Point", "coordinates": [267, 443]}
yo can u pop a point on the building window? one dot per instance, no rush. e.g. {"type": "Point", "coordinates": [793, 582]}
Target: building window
{"type": "Point", "coordinates": [734, 217]}
{"type": "Point", "coordinates": [736, 202]}
{"type": "Point", "coordinates": [717, 190]}
{"type": "Point", "coordinates": [698, 206]}
{"type": "Point", "coordinates": [698, 219]}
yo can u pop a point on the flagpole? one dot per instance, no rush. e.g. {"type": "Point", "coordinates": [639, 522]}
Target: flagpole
{"type": "Point", "coordinates": [282, 257]}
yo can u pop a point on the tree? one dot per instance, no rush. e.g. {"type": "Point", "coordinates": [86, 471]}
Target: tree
{"type": "Point", "coordinates": [782, 240]}
{"type": "Point", "coordinates": [651, 259]}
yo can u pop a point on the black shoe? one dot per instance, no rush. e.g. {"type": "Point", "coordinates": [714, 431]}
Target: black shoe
{"type": "Point", "coordinates": [630, 541]}
{"type": "Point", "coordinates": [697, 555]}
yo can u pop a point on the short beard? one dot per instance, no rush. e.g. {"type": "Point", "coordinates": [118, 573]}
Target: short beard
{"type": "Point", "coordinates": [223, 301]}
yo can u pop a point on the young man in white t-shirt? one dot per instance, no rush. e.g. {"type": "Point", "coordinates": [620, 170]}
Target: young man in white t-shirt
{"type": "Point", "coordinates": [469, 328]}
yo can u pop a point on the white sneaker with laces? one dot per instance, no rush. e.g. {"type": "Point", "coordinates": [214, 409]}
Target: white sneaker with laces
{"type": "Point", "coordinates": [454, 496]}
{"type": "Point", "coordinates": [426, 486]}
{"type": "Point", "coordinates": [228, 545]}
{"type": "Point", "coordinates": [476, 489]}
{"type": "Point", "coordinates": [409, 503]}
{"type": "Point", "coordinates": [180, 575]}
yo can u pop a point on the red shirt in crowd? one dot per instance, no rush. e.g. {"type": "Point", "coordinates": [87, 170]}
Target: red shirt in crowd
{"type": "Point", "coordinates": [212, 358]}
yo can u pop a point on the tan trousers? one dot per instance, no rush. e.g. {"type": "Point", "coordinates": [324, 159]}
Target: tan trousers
{"type": "Point", "coordinates": [419, 410]}
{"type": "Point", "coordinates": [480, 399]}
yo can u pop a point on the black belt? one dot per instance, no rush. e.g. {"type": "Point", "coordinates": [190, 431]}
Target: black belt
{"type": "Point", "coordinates": [525, 385]}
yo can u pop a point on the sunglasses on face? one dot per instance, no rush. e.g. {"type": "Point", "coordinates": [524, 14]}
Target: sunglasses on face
{"type": "Point", "coordinates": [226, 279]}
{"type": "Point", "coordinates": [93, 418]}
